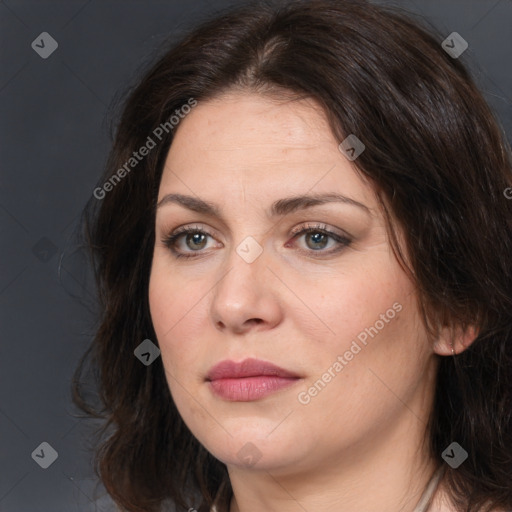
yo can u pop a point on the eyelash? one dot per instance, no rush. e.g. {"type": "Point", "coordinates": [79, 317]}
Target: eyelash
{"type": "Point", "coordinates": [170, 240]}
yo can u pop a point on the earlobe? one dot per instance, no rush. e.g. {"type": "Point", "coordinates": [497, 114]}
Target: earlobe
{"type": "Point", "coordinates": [452, 342]}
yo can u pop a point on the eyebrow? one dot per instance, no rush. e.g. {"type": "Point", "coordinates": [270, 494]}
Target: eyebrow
{"type": "Point", "coordinates": [280, 207]}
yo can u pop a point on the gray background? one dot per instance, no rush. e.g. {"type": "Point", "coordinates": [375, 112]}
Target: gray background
{"type": "Point", "coordinates": [54, 140]}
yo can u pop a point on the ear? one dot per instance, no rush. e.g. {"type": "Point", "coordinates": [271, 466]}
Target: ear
{"type": "Point", "coordinates": [454, 341]}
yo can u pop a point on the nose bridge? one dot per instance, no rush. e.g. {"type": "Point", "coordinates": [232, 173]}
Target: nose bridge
{"type": "Point", "coordinates": [240, 293]}
{"type": "Point", "coordinates": [245, 266]}
{"type": "Point", "coordinates": [248, 237]}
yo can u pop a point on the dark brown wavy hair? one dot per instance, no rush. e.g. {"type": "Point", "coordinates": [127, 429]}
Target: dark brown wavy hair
{"type": "Point", "coordinates": [440, 164]}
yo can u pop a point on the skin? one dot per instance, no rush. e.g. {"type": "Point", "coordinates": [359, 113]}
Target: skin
{"type": "Point", "coordinates": [298, 305]}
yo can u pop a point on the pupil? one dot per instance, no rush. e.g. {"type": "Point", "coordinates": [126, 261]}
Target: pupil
{"type": "Point", "coordinates": [317, 238]}
{"type": "Point", "coordinates": [196, 238]}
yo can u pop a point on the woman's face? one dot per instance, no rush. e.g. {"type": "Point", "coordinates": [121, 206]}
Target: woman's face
{"type": "Point", "coordinates": [336, 311]}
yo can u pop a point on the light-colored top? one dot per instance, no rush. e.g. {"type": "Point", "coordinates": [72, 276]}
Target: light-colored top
{"type": "Point", "coordinates": [429, 491]}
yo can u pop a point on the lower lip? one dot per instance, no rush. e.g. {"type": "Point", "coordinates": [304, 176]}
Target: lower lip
{"type": "Point", "coordinates": [249, 388]}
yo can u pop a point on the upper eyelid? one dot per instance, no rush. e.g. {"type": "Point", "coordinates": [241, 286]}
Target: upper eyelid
{"type": "Point", "coordinates": [321, 226]}
{"type": "Point", "coordinates": [339, 238]}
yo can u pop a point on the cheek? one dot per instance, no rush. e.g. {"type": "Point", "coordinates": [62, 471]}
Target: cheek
{"type": "Point", "coordinates": [339, 306]}
{"type": "Point", "coordinates": [176, 311]}
{"type": "Point", "coordinates": [369, 318]}
{"type": "Point", "coordinates": [169, 298]}
{"type": "Point", "coordinates": [166, 310]}
{"type": "Point", "coordinates": [374, 359]}
{"type": "Point", "coordinates": [172, 313]}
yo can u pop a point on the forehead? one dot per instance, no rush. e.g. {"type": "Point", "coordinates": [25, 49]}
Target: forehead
{"type": "Point", "coordinates": [261, 143]}
{"type": "Point", "coordinates": [250, 115]}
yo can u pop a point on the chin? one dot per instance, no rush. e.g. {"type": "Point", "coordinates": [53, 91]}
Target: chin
{"type": "Point", "coordinates": [256, 447]}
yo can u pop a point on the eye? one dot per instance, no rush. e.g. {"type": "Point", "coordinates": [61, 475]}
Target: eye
{"type": "Point", "coordinates": [195, 236]}
{"type": "Point", "coordinates": [319, 238]}
{"type": "Point", "coordinates": [196, 239]}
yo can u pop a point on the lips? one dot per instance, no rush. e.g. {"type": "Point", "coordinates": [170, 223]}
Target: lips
{"type": "Point", "coordinates": [248, 380]}
{"type": "Point", "coordinates": [247, 368]}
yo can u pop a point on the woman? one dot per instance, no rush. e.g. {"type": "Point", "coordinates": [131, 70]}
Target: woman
{"type": "Point", "coordinates": [302, 244]}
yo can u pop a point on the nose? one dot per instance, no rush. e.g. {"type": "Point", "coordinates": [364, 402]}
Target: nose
{"type": "Point", "coordinates": [246, 295]}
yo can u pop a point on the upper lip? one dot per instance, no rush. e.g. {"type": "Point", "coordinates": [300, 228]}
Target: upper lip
{"type": "Point", "coordinates": [246, 368]}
